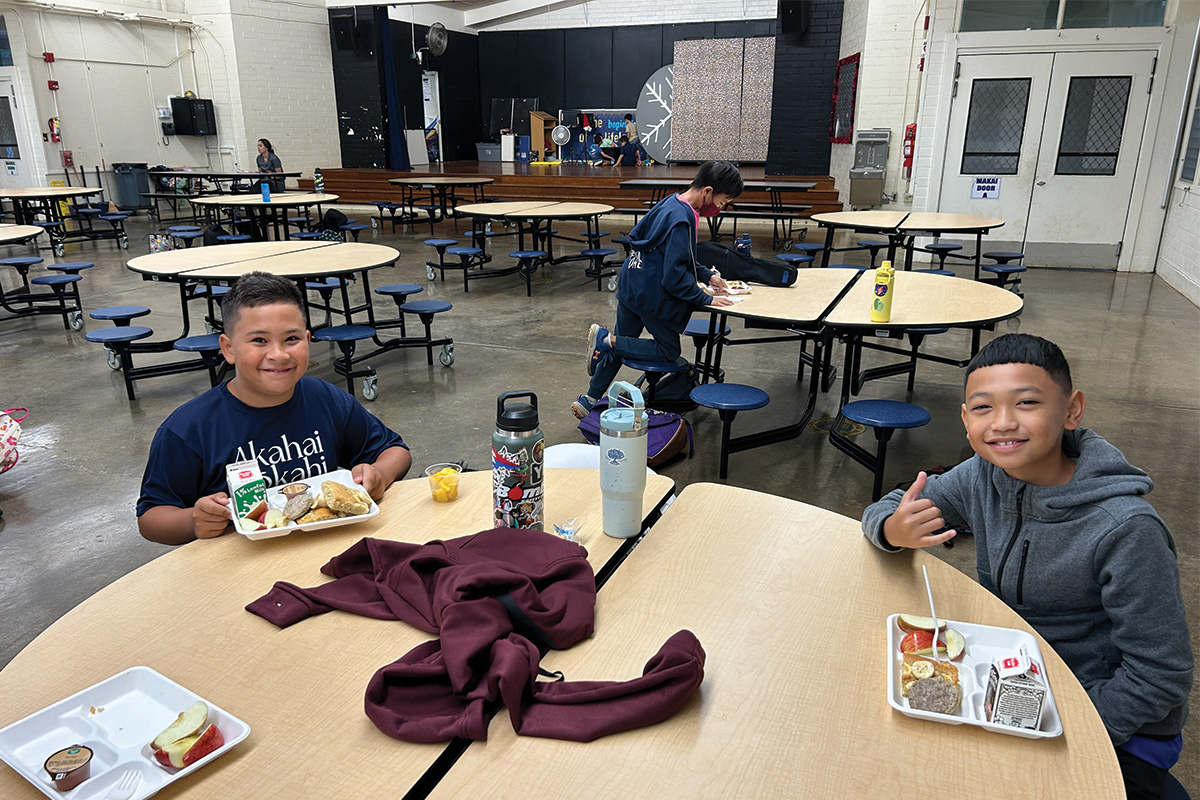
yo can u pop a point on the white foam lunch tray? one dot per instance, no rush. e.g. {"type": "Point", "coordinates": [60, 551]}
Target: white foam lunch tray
{"type": "Point", "coordinates": [276, 499]}
{"type": "Point", "coordinates": [985, 643]}
{"type": "Point", "coordinates": [117, 718]}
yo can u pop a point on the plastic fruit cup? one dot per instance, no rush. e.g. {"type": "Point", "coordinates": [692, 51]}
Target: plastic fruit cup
{"type": "Point", "coordinates": [443, 482]}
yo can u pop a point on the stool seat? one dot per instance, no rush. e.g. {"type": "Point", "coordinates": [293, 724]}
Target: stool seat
{"type": "Point", "coordinates": [302, 235]}
{"type": "Point", "coordinates": [946, 272]}
{"type": "Point", "coordinates": [183, 228]}
{"type": "Point", "coordinates": [54, 223]}
{"type": "Point", "coordinates": [214, 291]}
{"type": "Point", "coordinates": [598, 252]}
{"type": "Point", "coordinates": [344, 333]}
{"type": "Point", "coordinates": [849, 266]}
{"type": "Point", "coordinates": [1004, 269]}
{"type": "Point", "coordinates": [356, 226]}
{"type": "Point", "coordinates": [872, 243]}
{"type": "Point", "coordinates": [808, 247]}
{"type": "Point", "coordinates": [128, 333]}
{"type": "Point", "coordinates": [55, 280]}
{"type": "Point", "coordinates": [233, 238]}
{"type": "Point", "coordinates": [655, 366]}
{"type": "Point", "coordinates": [1003, 256]}
{"type": "Point", "coordinates": [298, 220]}
{"type": "Point", "coordinates": [622, 240]}
{"type": "Point", "coordinates": [426, 307]}
{"type": "Point", "coordinates": [885, 414]}
{"type": "Point", "coordinates": [399, 288]}
{"type": "Point", "coordinates": [795, 258]}
{"type": "Point", "coordinates": [119, 312]}
{"type": "Point", "coordinates": [527, 253]}
{"type": "Point", "coordinates": [699, 327]}
{"type": "Point", "coordinates": [187, 234]}
{"type": "Point", "coordinates": [730, 396]}
{"type": "Point", "coordinates": [199, 344]}
{"type": "Point", "coordinates": [72, 267]}
{"type": "Point", "coordinates": [441, 242]}
{"type": "Point", "coordinates": [464, 251]}
{"type": "Point", "coordinates": [21, 261]}
{"type": "Point", "coordinates": [327, 283]}
{"type": "Point", "coordinates": [89, 211]}
{"type": "Point", "coordinates": [117, 215]}
{"type": "Point", "coordinates": [943, 247]}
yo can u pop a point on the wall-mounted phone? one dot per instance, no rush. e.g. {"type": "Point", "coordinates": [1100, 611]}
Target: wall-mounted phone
{"type": "Point", "coordinates": [168, 128]}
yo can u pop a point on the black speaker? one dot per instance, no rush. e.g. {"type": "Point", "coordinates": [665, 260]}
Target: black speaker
{"type": "Point", "coordinates": [204, 118]}
{"type": "Point", "coordinates": [343, 32]}
{"type": "Point", "coordinates": [793, 16]}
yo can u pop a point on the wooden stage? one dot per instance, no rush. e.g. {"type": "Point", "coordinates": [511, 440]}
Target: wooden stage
{"type": "Point", "coordinates": [568, 182]}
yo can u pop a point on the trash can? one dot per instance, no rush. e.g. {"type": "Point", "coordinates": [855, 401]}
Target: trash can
{"type": "Point", "coordinates": [131, 183]}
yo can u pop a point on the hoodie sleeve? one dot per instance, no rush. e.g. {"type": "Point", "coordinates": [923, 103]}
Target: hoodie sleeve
{"type": "Point", "coordinates": [1138, 575]}
{"type": "Point", "coordinates": [678, 278]}
{"type": "Point", "coordinates": [949, 491]}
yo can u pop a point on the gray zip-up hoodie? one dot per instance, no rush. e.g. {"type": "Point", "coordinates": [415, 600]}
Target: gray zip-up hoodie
{"type": "Point", "coordinates": [1089, 565]}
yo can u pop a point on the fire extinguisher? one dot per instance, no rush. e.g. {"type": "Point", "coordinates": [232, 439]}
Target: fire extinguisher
{"type": "Point", "coordinates": [55, 130]}
{"type": "Point", "coordinates": [910, 140]}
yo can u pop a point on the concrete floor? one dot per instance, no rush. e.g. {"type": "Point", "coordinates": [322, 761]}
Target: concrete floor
{"type": "Point", "coordinates": [69, 526]}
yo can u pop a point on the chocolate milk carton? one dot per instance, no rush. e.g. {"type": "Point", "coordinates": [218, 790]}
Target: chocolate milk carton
{"type": "Point", "coordinates": [247, 487]}
{"type": "Point", "coordinates": [1016, 692]}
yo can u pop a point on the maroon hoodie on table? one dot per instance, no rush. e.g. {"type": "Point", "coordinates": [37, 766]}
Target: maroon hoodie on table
{"type": "Point", "coordinates": [494, 597]}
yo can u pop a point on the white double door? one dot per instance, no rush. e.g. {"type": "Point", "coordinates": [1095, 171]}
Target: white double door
{"type": "Point", "coordinates": [1063, 133]}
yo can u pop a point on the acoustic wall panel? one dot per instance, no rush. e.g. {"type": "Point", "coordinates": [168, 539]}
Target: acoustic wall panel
{"type": "Point", "coordinates": [708, 100]}
{"type": "Point", "coordinates": [758, 78]}
{"type": "Point", "coordinates": [722, 107]}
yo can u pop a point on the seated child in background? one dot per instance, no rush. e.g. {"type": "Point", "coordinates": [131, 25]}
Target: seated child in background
{"type": "Point", "coordinates": [1064, 536]}
{"type": "Point", "coordinates": [596, 153]}
{"type": "Point", "coordinates": [295, 427]}
{"type": "Point", "coordinates": [629, 154]}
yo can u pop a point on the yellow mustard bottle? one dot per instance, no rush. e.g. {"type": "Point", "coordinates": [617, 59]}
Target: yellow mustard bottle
{"type": "Point", "coordinates": [881, 299]}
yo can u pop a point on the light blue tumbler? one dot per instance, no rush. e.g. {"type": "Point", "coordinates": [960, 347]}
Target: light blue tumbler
{"type": "Point", "coordinates": [266, 192]}
{"type": "Point", "coordinates": [623, 431]}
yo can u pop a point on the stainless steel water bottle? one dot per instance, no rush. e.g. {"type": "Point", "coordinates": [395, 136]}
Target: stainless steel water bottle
{"type": "Point", "coordinates": [517, 463]}
{"type": "Point", "coordinates": [318, 181]}
{"type": "Point", "coordinates": [623, 434]}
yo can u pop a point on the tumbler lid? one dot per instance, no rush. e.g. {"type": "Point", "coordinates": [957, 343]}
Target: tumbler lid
{"type": "Point", "coordinates": [516, 416]}
{"type": "Point", "coordinates": [619, 417]}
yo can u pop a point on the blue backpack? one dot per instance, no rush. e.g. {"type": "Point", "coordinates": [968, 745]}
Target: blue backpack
{"type": "Point", "coordinates": [666, 438]}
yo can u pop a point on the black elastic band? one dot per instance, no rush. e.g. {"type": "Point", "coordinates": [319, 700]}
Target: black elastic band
{"type": "Point", "coordinates": [524, 626]}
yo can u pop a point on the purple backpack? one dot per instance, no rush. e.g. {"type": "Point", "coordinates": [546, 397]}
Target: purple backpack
{"type": "Point", "coordinates": [666, 438]}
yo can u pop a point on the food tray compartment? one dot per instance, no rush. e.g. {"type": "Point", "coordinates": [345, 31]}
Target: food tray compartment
{"type": "Point", "coordinates": [276, 499]}
{"type": "Point", "coordinates": [117, 718]}
{"type": "Point", "coordinates": [984, 644]}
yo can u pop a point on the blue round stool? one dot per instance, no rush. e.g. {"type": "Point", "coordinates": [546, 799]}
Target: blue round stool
{"type": "Point", "coordinates": [885, 416]}
{"type": "Point", "coordinates": [653, 372]}
{"type": "Point", "coordinates": [117, 341]}
{"type": "Point", "coordinates": [811, 248]}
{"type": "Point", "coordinates": [21, 261]}
{"type": "Point", "coordinates": [874, 245]}
{"type": "Point", "coordinates": [305, 235]}
{"type": "Point", "coordinates": [399, 293]}
{"type": "Point", "coordinates": [698, 330]}
{"type": "Point", "coordinates": [728, 399]}
{"type": "Point", "coordinates": [346, 337]}
{"type": "Point", "coordinates": [183, 228]}
{"type": "Point", "coordinates": [187, 237]}
{"type": "Point", "coordinates": [425, 311]}
{"type": "Point", "coordinates": [119, 315]}
{"type": "Point", "coordinates": [64, 289]}
{"type": "Point", "coordinates": [527, 264]}
{"type": "Point", "coordinates": [598, 270]}
{"type": "Point", "coordinates": [233, 238]}
{"type": "Point", "coordinates": [209, 348]}
{"type": "Point", "coordinates": [795, 259]}
{"type": "Point", "coordinates": [70, 267]}
{"type": "Point", "coordinates": [941, 250]}
{"type": "Point", "coordinates": [432, 269]}
{"type": "Point", "coordinates": [354, 229]}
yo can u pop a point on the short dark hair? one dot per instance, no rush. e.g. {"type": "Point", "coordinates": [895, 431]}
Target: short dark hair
{"type": "Point", "coordinates": [629, 117]}
{"type": "Point", "coordinates": [1022, 348]}
{"type": "Point", "coordinates": [722, 176]}
{"type": "Point", "coordinates": [256, 289]}
{"type": "Point", "coordinates": [597, 139]}
{"type": "Point", "coordinates": [267, 144]}
{"type": "Point", "coordinates": [624, 138]}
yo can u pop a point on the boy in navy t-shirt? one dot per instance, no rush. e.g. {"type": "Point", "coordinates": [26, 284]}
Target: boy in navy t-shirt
{"type": "Point", "coordinates": [295, 427]}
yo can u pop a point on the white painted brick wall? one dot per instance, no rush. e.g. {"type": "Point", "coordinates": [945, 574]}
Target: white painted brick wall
{"type": "Point", "coordinates": [602, 13]}
{"type": "Point", "coordinates": [1179, 258]}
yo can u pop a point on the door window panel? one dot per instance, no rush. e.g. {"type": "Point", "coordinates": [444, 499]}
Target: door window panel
{"type": "Point", "coordinates": [1092, 125]}
{"type": "Point", "coordinates": [995, 126]}
{"type": "Point", "coordinates": [1012, 15]}
{"type": "Point", "coordinates": [1113, 13]}
{"type": "Point", "coordinates": [8, 132]}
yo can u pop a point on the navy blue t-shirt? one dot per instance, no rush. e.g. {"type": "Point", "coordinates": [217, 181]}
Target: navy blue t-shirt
{"type": "Point", "coordinates": [629, 153]}
{"type": "Point", "coordinates": [322, 428]}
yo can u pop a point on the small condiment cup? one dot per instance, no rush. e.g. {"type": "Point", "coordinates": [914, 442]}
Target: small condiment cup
{"type": "Point", "coordinates": [444, 487]}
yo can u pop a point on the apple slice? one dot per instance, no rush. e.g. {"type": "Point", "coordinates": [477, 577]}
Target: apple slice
{"type": "Point", "coordinates": [172, 754]}
{"type": "Point", "coordinates": [205, 743]}
{"type": "Point", "coordinates": [188, 723]}
{"type": "Point", "coordinates": [956, 643]}
{"type": "Point", "coordinates": [250, 525]}
{"type": "Point", "coordinates": [914, 622]}
{"type": "Point", "coordinates": [921, 643]}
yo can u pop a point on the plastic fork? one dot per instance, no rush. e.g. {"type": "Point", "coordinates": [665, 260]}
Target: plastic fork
{"type": "Point", "coordinates": [126, 786]}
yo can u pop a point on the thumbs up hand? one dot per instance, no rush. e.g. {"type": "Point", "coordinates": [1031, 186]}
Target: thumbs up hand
{"type": "Point", "coordinates": [916, 521]}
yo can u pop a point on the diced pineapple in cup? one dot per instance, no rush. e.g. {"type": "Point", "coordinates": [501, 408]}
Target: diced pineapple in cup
{"type": "Point", "coordinates": [443, 482]}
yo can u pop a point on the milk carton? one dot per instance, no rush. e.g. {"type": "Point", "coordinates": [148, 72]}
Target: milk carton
{"type": "Point", "coordinates": [1016, 692]}
{"type": "Point", "coordinates": [247, 488]}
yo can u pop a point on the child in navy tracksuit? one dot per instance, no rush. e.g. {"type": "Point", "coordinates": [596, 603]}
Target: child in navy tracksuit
{"type": "Point", "coordinates": [658, 287]}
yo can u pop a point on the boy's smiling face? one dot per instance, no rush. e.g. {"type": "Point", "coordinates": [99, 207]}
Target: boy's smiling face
{"type": "Point", "coordinates": [269, 346]}
{"type": "Point", "coordinates": [1015, 415]}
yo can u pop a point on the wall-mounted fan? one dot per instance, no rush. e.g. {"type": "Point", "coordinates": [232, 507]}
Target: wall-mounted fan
{"type": "Point", "coordinates": [436, 40]}
{"type": "Point", "coordinates": [560, 136]}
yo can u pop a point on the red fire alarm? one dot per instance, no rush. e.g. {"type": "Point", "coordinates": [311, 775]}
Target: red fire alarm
{"type": "Point", "coordinates": [53, 85]}
{"type": "Point", "coordinates": [48, 58]}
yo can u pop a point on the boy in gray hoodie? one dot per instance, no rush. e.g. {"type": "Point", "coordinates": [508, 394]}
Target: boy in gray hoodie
{"type": "Point", "coordinates": [1064, 536]}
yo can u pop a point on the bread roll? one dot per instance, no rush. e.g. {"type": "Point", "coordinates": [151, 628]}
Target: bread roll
{"type": "Point", "coordinates": [354, 502]}
{"type": "Point", "coordinates": [317, 515]}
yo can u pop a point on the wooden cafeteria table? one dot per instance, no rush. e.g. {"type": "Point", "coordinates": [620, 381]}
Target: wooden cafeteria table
{"type": "Point", "coordinates": [529, 217]}
{"type": "Point", "coordinates": [300, 689]}
{"type": "Point", "coordinates": [790, 604]}
{"type": "Point", "coordinates": [442, 188]}
{"type": "Point", "coordinates": [902, 228]}
{"type": "Point", "coordinates": [267, 213]}
{"type": "Point", "coordinates": [16, 234]}
{"type": "Point", "coordinates": [29, 202]}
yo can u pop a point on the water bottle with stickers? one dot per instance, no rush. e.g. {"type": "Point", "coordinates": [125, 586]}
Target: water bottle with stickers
{"type": "Point", "coordinates": [518, 467]}
{"type": "Point", "coordinates": [881, 297]}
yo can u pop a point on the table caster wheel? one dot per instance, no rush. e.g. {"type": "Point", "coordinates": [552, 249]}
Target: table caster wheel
{"type": "Point", "coordinates": [123, 242]}
{"type": "Point", "coordinates": [787, 245]}
{"type": "Point", "coordinates": [114, 361]}
{"type": "Point", "coordinates": [58, 250]}
{"type": "Point", "coordinates": [374, 223]}
{"type": "Point", "coordinates": [370, 388]}
{"type": "Point", "coordinates": [208, 328]}
{"type": "Point", "coordinates": [76, 320]}
{"type": "Point", "coordinates": [447, 355]}
{"type": "Point", "coordinates": [430, 273]}
{"type": "Point", "coordinates": [612, 283]}
{"type": "Point", "coordinates": [803, 234]}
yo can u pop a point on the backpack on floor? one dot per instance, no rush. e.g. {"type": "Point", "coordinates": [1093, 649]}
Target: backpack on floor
{"type": "Point", "coordinates": [666, 438]}
{"type": "Point", "coordinates": [674, 391]}
{"type": "Point", "coordinates": [737, 266]}
{"type": "Point", "coordinates": [211, 234]}
{"type": "Point", "coordinates": [333, 220]}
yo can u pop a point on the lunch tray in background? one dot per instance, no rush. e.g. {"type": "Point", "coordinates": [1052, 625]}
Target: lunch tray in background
{"type": "Point", "coordinates": [117, 718]}
{"type": "Point", "coordinates": [985, 644]}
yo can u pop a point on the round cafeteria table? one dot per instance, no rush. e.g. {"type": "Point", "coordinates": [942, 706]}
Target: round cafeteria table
{"type": "Point", "coordinates": [15, 234]}
{"type": "Point", "coordinates": [443, 186]}
{"type": "Point", "coordinates": [535, 213]}
{"type": "Point", "coordinates": [29, 202]}
{"type": "Point", "coordinates": [902, 228]}
{"type": "Point", "coordinates": [790, 604]}
{"type": "Point", "coordinates": [264, 214]}
{"type": "Point", "coordinates": [300, 689]}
